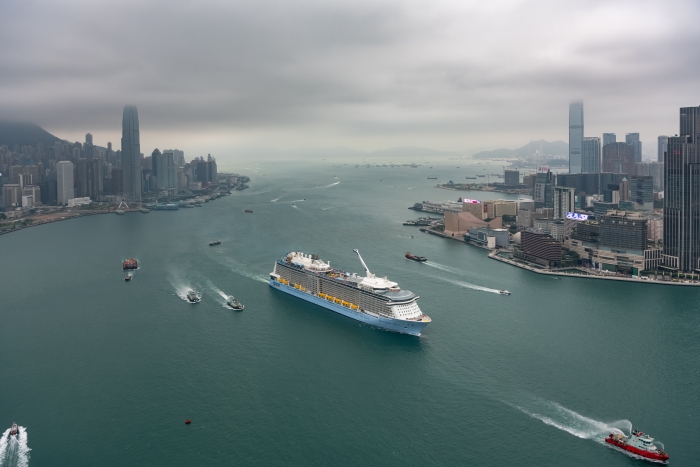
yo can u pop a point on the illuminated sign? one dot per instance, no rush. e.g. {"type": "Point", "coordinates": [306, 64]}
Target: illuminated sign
{"type": "Point", "coordinates": [577, 216]}
{"type": "Point", "coordinates": [543, 170]}
{"type": "Point", "coordinates": [472, 201]}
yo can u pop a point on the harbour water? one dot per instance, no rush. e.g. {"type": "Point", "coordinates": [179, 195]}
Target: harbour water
{"type": "Point", "coordinates": [101, 371]}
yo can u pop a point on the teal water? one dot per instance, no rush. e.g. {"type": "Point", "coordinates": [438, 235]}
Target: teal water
{"type": "Point", "coordinates": [103, 372]}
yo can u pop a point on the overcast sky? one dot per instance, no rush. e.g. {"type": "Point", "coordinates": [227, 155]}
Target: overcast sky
{"type": "Point", "coordinates": [458, 75]}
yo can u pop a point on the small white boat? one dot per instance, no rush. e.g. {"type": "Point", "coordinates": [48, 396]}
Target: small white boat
{"type": "Point", "coordinates": [120, 212]}
{"type": "Point", "coordinates": [233, 303]}
{"type": "Point", "coordinates": [14, 431]}
{"type": "Point", "coordinates": [504, 292]}
{"type": "Point", "coordinates": [193, 297]}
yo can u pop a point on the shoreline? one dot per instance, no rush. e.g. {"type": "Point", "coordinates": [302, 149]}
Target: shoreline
{"type": "Point", "coordinates": [494, 254]}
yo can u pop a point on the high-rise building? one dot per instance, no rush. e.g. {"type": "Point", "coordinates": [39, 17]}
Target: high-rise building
{"type": "Point", "coordinates": [64, 182]}
{"type": "Point", "coordinates": [624, 231]}
{"type": "Point", "coordinates": [575, 136]}
{"type": "Point", "coordinates": [131, 154]}
{"type": "Point", "coordinates": [609, 138]}
{"type": "Point", "coordinates": [178, 156]}
{"type": "Point", "coordinates": [590, 155]}
{"type": "Point", "coordinates": [618, 158]}
{"type": "Point", "coordinates": [682, 194]}
{"type": "Point", "coordinates": [624, 190]}
{"type": "Point", "coordinates": [542, 192]}
{"type": "Point", "coordinates": [564, 201]}
{"type": "Point", "coordinates": [661, 150]}
{"type": "Point", "coordinates": [633, 140]}
{"type": "Point", "coordinates": [512, 178]}
{"type": "Point", "coordinates": [642, 192]}
{"type": "Point", "coordinates": [118, 181]}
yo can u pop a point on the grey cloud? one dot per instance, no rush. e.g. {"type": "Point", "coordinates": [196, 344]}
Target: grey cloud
{"type": "Point", "coordinates": [450, 75]}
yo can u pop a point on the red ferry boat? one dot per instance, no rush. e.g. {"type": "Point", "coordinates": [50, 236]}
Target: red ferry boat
{"type": "Point", "coordinates": [131, 264]}
{"type": "Point", "coordinates": [637, 443]}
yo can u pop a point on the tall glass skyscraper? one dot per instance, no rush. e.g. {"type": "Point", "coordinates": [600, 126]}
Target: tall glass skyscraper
{"type": "Point", "coordinates": [131, 154]}
{"type": "Point", "coordinates": [633, 140]}
{"type": "Point", "coordinates": [590, 157]}
{"type": "Point", "coordinates": [682, 194]}
{"type": "Point", "coordinates": [575, 137]}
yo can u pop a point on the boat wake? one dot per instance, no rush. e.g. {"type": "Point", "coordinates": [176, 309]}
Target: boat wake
{"type": "Point", "coordinates": [332, 207]}
{"type": "Point", "coordinates": [330, 185]}
{"type": "Point", "coordinates": [14, 452]}
{"type": "Point", "coordinates": [276, 199]}
{"type": "Point", "coordinates": [574, 423]}
{"type": "Point", "coordinates": [442, 267]}
{"type": "Point", "coordinates": [221, 297]}
{"type": "Point", "coordinates": [181, 290]}
{"type": "Point", "coordinates": [467, 285]}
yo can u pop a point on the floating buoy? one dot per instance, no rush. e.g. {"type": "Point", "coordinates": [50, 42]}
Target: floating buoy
{"type": "Point", "coordinates": [188, 421]}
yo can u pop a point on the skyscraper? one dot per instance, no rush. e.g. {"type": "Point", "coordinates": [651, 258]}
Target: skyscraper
{"type": "Point", "coordinates": [131, 154]}
{"type": "Point", "coordinates": [590, 156]}
{"type": "Point", "coordinates": [575, 136]}
{"type": "Point", "coordinates": [633, 140]}
{"type": "Point", "coordinates": [663, 144]}
{"type": "Point", "coordinates": [64, 181]}
{"type": "Point", "coordinates": [618, 158]}
{"type": "Point", "coordinates": [609, 138]}
{"type": "Point", "coordinates": [564, 201]}
{"type": "Point", "coordinates": [542, 192]}
{"type": "Point", "coordinates": [682, 194]}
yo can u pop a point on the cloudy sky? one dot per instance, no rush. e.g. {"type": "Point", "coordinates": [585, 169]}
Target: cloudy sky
{"type": "Point", "coordinates": [449, 75]}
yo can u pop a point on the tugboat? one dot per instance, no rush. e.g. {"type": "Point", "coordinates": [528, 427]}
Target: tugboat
{"type": "Point", "coordinates": [637, 443]}
{"type": "Point", "coordinates": [235, 304]}
{"type": "Point", "coordinates": [504, 292]}
{"type": "Point", "coordinates": [193, 297]}
{"type": "Point", "coordinates": [127, 278]}
{"type": "Point", "coordinates": [215, 242]}
{"type": "Point", "coordinates": [131, 264]}
{"type": "Point", "coordinates": [420, 259]}
{"type": "Point", "coordinates": [14, 431]}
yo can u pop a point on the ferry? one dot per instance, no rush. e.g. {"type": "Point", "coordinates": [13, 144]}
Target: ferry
{"type": "Point", "coordinates": [637, 443]}
{"type": "Point", "coordinates": [370, 299]}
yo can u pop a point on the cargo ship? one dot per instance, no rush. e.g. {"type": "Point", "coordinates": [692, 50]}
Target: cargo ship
{"type": "Point", "coordinates": [637, 443]}
{"type": "Point", "coordinates": [420, 259]}
{"type": "Point", "coordinates": [131, 264]}
{"type": "Point", "coordinates": [370, 299]}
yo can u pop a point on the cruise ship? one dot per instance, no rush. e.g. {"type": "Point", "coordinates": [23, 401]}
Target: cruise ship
{"type": "Point", "coordinates": [370, 299]}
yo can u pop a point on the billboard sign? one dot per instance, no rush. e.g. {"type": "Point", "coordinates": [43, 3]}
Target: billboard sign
{"type": "Point", "coordinates": [472, 201]}
{"type": "Point", "coordinates": [577, 216]}
{"type": "Point", "coordinates": [543, 169]}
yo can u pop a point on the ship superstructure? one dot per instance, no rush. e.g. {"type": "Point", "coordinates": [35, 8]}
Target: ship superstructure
{"type": "Point", "coordinates": [370, 299]}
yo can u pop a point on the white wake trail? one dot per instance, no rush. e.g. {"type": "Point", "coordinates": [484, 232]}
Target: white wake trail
{"type": "Point", "coordinates": [14, 452]}
{"type": "Point", "coordinates": [467, 285]}
{"type": "Point", "coordinates": [442, 267]}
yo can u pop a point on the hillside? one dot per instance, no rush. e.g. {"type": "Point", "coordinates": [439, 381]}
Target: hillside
{"type": "Point", "coordinates": [554, 148]}
{"type": "Point", "coordinates": [24, 134]}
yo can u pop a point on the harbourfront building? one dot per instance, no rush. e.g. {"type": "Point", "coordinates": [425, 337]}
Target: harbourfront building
{"type": "Point", "coordinates": [590, 156]}
{"type": "Point", "coordinates": [575, 137]}
{"type": "Point", "coordinates": [540, 248]}
{"type": "Point", "coordinates": [131, 154]}
{"type": "Point", "coordinates": [682, 195]}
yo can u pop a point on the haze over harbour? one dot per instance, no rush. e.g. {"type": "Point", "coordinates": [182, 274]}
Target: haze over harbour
{"type": "Point", "coordinates": [285, 383]}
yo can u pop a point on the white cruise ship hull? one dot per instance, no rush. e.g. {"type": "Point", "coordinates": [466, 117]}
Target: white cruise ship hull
{"type": "Point", "coordinates": [413, 328]}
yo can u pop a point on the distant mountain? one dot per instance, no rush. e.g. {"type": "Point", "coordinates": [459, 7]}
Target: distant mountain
{"type": "Point", "coordinates": [554, 148]}
{"type": "Point", "coordinates": [25, 134]}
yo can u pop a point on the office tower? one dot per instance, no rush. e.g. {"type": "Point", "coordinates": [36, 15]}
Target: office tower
{"type": "Point", "coordinates": [633, 140]}
{"type": "Point", "coordinates": [542, 193]}
{"type": "Point", "coordinates": [642, 192]}
{"type": "Point", "coordinates": [178, 156]}
{"type": "Point", "coordinates": [624, 190]}
{"type": "Point", "coordinates": [609, 138]}
{"type": "Point", "coordinates": [575, 136]}
{"type": "Point", "coordinates": [117, 181]}
{"type": "Point", "coordinates": [156, 163]}
{"type": "Point", "coordinates": [682, 194]}
{"type": "Point", "coordinates": [618, 158]}
{"type": "Point", "coordinates": [64, 182]}
{"type": "Point", "coordinates": [564, 201]}
{"type": "Point", "coordinates": [663, 144]}
{"type": "Point", "coordinates": [512, 178]}
{"type": "Point", "coordinates": [131, 154]}
{"type": "Point", "coordinates": [81, 178]}
{"type": "Point", "coordinates": [590, 156]}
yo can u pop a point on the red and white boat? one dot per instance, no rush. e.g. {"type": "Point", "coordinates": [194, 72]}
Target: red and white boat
{"type": "Point", "coordinates": [638, 443]}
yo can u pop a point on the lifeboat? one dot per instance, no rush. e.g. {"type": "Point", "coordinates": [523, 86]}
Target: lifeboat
{"type": "Point", "coordinates": [420, 259]}
{"type": "Point", "coordinates": [637, 443]}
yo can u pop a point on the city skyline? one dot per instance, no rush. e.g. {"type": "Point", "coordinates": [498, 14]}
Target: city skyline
{"type": "Point", "coordinates": [343, 74]}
